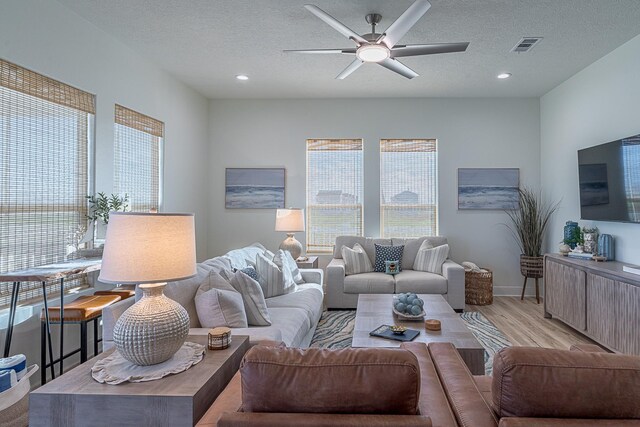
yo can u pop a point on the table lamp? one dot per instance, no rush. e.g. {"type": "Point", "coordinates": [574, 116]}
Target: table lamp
{"type": "Point", "coordinates": [149, 249]}
{"type": "Point", "coordinates": [290, 221]}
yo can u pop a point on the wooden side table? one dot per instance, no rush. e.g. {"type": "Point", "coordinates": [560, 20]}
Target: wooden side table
{"type": "Point", "coordinates": [311, 262]}
{"type": "Point", "coordinates": [173, 401]}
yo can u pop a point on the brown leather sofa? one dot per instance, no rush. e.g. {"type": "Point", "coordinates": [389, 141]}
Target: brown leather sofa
{"type": "Point", "coordinates": [420, 385]}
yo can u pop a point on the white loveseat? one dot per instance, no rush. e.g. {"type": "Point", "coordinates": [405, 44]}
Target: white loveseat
{"type": "Point", "coordinates": [343, 291]}
{"type": "Point", "coordinates": [294, 316]}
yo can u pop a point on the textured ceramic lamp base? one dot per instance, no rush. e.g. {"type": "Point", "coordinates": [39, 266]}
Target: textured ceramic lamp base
{"type": "Point", "coordinates": [153, 329]}
{"type": "Point", "coordinates": [292, 245]}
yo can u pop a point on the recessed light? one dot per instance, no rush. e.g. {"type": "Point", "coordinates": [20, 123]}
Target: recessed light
{"type": "Point", "coordinates": [504, 75]}
{"type": "Point", "coordinates": [242, 77]}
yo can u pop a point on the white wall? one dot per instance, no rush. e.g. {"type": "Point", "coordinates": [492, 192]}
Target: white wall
{"type": "Point", "coordinates": [597, 105]}
{"type": "Point", "coordinates": [470, 133]}
{"type": "Point", "coordinates": [46, 37]}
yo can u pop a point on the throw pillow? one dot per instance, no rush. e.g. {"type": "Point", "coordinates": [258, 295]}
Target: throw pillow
{"type": "Point", "coordinates": [273, 276]}
{"type": "Point", "coordinates": [356, 260]}
{"type": "Point", "coordinates": [387, 253]}
{"type": "Point", "coordinates": [431, 259]}
{"type": "Point", "coordinates": [249, 271]}
{"type": "Point", "coordinates": [293, 267]}
{"type": "Point", "coordinates": [254, 304]}
{"type": "Point", "coordinates": [216, 307]}
{"type": "Point", "coordinates": [392, 267]}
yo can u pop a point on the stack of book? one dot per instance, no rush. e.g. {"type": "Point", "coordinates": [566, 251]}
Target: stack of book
{"type": "Point", "coordinates": [580, 255]}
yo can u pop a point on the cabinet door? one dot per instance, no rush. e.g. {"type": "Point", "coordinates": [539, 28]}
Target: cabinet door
{"type": "Point", "coordinates": [628, 330]}
{"type": "Point", "coordinates": [602, 309]}
{"type": "Point", "coordinates": [565, 290]}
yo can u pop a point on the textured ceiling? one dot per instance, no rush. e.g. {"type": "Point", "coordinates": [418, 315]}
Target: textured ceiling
{"type": "Point", "coordinates": [205, 43]}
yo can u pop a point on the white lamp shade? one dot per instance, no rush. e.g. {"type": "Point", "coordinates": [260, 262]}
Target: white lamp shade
{"type": "Point", "coordinates": [148, 248]}
{"type": "Point", "coordinates": [290, 220]}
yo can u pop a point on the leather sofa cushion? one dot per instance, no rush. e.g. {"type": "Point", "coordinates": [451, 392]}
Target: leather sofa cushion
{"type": "Point", "coordinates": [369, 283]}
{"type": "Point", "coordinates": [366, 242]}
{"type": "Point", "coordinates": [347, 381]}
{"type": "Point", "coordinates": [248, 419]}
{"type": "Point", "coordinates": [420, 282]}
{"type": "Point", "coordinates": [537, 382]}
{"type": "Point", "coordinates": [411, 247]}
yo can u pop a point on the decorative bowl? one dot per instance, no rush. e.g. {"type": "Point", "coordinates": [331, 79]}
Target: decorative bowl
{"type": "Point", "coordinates": [409, 317]}
{"type": "Point", "coordinates": [398, 330]}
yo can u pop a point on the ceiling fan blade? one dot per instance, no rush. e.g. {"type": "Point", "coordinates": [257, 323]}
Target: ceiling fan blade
{"type": "Point", "coordinates": [399, 68]}
{"type": "Point", "coordinates": [350, 69]}
{"type": "Point", "coordinates": [337, 25]}
{"type": "Point", "coordinates": [404, 23]}
{"type": "Point", "coordinates": [428, 49]}
{"type": "Point", "coordinates": [322, 51]}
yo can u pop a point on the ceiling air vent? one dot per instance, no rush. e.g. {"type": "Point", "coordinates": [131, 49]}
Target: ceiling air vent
{"type": "Point", "coordinates": [526, 44]}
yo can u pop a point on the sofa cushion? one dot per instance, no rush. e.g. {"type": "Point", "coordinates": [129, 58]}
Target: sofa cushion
{"type": "Point", "coordinates": [253, 298]}
{"type": "Point", "coordinates": [354, 380]}
{"type": "Point", "coordinates": [386, 253]}
{"type": "Point", "coordinates": [307, 297]}
{"type": "Point", "coordinates": [366, 242]}
{"type": "Point", "coordinates": [542, 382]}
{"type": "Point", "coordinates": [217, 307]}
{"type": "Point", "coordinates": [294, 324]}
{"type": "Point", "coordinates": [369, 283]}
{"type": "Point", "coordinates": [431, 259]}
{"type": "Point", "coordinates": [420, 282]}
{"type": "Point", "coordinates": [356, 260]}
{"type": "Point", "coordinates": [411, 247]}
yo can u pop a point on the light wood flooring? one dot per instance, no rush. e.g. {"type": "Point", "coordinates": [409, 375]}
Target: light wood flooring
{"type": "Point", "coordinates": [524, 324]}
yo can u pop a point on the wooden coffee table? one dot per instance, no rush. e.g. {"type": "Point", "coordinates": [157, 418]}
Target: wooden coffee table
{"type": "Point", "coordinates": [375, 309]}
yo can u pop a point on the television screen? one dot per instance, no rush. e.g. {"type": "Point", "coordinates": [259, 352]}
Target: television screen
{"type": "Point", "coordinates": [609, 177]}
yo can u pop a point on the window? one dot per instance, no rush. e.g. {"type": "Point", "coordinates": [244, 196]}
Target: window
{"type": "Point", "coordinates": [408, 187]}
{"type": "Point", "coordinates": [334, 191]}
{"type": "Point", "coordinates": [137, 159]}
{"type": "Point", "coordinates": [45, 129]}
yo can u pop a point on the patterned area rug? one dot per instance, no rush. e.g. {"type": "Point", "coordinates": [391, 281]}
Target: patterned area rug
{"type": "Point", "coordinates": [335, 330]}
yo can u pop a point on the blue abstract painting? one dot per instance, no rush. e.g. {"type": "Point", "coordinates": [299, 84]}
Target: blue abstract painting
{"type": "Point", "coordinates": [254, 188]}
{"type": "Point", "coordinates": [484, 188]}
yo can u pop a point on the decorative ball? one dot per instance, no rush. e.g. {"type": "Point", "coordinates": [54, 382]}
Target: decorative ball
{"type": "Point", "coordinates": [416, 309]}
{"type": "Point", "coordinates": [401, 307]}
{"type": "Point", "coordinates": [402, 298]}
{"type": "Point", "coordinates": [419, 302]}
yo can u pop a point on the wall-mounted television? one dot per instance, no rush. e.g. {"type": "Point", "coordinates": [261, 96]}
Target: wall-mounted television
{"type": "Point", "coordinates": [609, 177]}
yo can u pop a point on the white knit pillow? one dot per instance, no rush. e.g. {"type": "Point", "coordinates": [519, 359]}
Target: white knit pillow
{"type": "Point", "coordinates": [273, 275]}
{"type": "Point", "coordinates": [431, 259]}
{"type": "Point", "coordinates": [356, 260]}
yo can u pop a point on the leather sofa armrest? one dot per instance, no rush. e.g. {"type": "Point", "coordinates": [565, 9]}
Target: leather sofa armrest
{"type": "Point", "coordinates": [454, 273]}
{"type": "Point", "coordinates": [588, 348]}
{"type": "Point", "coordinates": [312, 275]}
{"type": "Point", "coordinates": [565, 422]}
{"type": "Point", "coordinates": [110, 316]}
{"type": "Point", "coordinates": [229, 401]}
{"type": "Point", "coordinates": [264, 419]}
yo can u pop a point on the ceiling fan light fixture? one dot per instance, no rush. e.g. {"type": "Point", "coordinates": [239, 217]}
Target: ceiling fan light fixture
{"type": "Point", "coordinates": [373, 53]}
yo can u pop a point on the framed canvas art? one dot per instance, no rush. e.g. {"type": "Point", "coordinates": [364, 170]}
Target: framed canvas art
{"type": "Point", "coordinates": [488, 188]}
{"type": "Point", "coordinates": [254, 188]}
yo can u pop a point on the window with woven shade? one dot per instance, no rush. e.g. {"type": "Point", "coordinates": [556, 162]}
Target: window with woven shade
{"type": "Point", "coordinates": [45, 131]}
{"type": "Point", "coordinates": [408, 187]}
{"type": "Point", "coordinates": [137, 159]}
{"type": "Point", "coordinates": [334, 191]}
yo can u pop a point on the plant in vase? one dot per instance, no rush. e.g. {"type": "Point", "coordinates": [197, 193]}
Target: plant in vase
{"type": "Point", "coordinates": [99, 207]}
{"type": "Point", "coordinates": [528, 225]}
{"type": "Point", "coordinates": [575, 238]}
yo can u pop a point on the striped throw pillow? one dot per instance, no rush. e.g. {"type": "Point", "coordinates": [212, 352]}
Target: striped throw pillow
{"type": "Point", "coordinates": [273, 275]}
{"type": "Point", "coordinates": [431, 259]}
{"type": "Point", "coordinates": [356, 260]}
{"type": "Point", "coordinates": [253, 299]}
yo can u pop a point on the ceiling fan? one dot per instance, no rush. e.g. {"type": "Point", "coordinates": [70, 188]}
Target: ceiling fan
{"type": "Point", "coordinates": [383, 48]}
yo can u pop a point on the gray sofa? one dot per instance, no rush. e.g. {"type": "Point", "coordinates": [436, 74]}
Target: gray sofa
{"type": "Point", "coordinates": [343, 291]}
{"type": "Point", "coordinates": [294, 316]}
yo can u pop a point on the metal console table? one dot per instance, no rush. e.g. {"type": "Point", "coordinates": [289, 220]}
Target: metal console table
{"type": "Point", "coordinates": [44, 273]}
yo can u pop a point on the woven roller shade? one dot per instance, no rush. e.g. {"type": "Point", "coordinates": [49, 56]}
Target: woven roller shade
{"type": "Point", "coordinates": [408, 187]}
{"type": "Point", "coordinates": [334, 191]}
{"type": "Point", "coordinates": [44, 139]}
{"type": "Point", "coordinates": [137, 146]}
{"type": "Point", "coordinates": [28, 82]}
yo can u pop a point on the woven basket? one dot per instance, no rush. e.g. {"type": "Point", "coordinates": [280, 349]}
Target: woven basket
{"type": "Point", "coordinates": [478, 287]}
{"type": "Point", "coordinates": [531, 266]}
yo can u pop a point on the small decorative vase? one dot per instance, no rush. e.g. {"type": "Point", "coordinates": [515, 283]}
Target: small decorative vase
{"type": "Point", "coordinates": [152, 330]}
{"type": "Point", "coordinates": [605, 247]}
{"type": "Point", "coordinates": [292, 245]}
{"type": "Point", "coordinates": [568, 231]}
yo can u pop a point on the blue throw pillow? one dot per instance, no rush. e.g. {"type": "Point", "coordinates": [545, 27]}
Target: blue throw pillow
{"type": "Point", "coordinates": [387, 253]}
